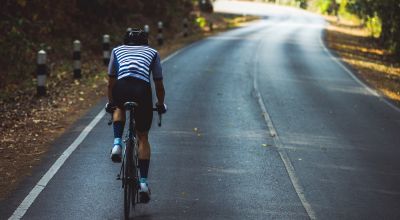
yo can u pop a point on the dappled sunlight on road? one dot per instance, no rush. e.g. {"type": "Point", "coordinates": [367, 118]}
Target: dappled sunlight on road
{"type": "Point", "coordinates": [253, 8]}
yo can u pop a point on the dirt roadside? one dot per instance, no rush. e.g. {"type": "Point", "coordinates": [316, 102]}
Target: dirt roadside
{"type": "Point", "coordinates": [29, 124]}
{"type": "Point", "coordinates": [372, 64]}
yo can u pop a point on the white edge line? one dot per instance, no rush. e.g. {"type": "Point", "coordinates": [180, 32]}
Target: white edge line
{"type": "Point", "coordinates": [285, 158]}
{"type": "Point", "coordinates": [37, 189]}
{"type": "Point", "coordinates": [280, 148]}
{"type": "Point", "coordinates": [352, 75]}
{"type": "Point", "coordinates": [30, 198]}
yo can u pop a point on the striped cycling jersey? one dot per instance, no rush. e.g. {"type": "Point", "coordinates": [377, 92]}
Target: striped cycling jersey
{"type": "Point", "coordinates": [135, 61]}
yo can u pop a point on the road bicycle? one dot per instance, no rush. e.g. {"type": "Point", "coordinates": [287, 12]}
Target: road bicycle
{"type": "Point", "coordinates": [129, 172]}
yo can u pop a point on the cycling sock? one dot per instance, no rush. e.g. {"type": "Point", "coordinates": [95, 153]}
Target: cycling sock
{"type": "Point", "coordinates": [118, 129]}
{"type": "Point", "coordinates": [143, 180]}
{"type": "Point", "coordinates": [144, 167]}
{"type": "Point", "coordinates": [118, 141]}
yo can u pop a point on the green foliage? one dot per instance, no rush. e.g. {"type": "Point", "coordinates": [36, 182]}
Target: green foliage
{"type": "Point", "coordinates": [201, 22]}
{"type": "Point", "coordinates": [374, 26]}
{"type": "Point", "coordinates": [323, 6]}
{"type": "Point", "coordinates": [385, 14]}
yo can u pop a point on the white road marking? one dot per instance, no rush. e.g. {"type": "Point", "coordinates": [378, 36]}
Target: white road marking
{"type": "Point", "coordinates": [38, 188]}
{"type": "Point", "coordinates": [27, 202]}
{"type": "Point", "coordinates": [282, 153]}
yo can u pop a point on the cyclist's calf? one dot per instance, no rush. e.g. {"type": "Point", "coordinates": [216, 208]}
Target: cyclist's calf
{"type": "Point", "coordinates": [119, 115]}
{"type": "Point", "coordinates": [144, 145]}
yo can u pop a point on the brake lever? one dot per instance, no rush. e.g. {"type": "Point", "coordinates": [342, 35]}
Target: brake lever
{"type": "Point", "coordinates": [159, 119]}
{"type": "Point", "coordinates": [110, 120]}
{"type": "Point", "coordinates": [159, 116]}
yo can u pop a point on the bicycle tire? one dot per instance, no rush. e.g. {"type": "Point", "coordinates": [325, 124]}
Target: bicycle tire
{"type": "Point", "coordinates": [135, 175]}
{"type": "Point", "coordinates": [128, 189]}
{"type": "Point", "coordinates": [135, 185]}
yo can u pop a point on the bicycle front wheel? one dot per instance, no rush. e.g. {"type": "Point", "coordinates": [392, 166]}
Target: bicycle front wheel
{"type": "Point", "coordinates": [129, 184]}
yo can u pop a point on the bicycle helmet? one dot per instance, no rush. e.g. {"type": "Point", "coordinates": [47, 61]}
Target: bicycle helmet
{"type": "Point", "coordinates": [136, 37]}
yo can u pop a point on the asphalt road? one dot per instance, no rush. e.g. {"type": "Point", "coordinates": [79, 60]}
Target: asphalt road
{"type": "Point", "coordinates": [262, 124]}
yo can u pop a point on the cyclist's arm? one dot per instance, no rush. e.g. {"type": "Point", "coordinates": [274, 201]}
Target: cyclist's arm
{"type": "Point", "coordinates": [156, 69]}
{"type": "Point", "coordinates": [111, 83]}
{"type": "Point", "coordinates": [160, 91]}
{"type": "Point", "coordinates": [112, 76]}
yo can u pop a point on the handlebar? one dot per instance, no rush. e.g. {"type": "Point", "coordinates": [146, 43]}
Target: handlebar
{"type": "Point", "coordinates": [110, 121]}
{"type": "Point", "coordinates": [159, 116]}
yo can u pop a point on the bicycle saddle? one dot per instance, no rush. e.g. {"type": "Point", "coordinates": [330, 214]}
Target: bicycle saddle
{"type": "Point", "coordinates": [130, 105]}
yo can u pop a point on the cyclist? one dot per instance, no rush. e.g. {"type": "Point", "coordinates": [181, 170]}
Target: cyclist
{"type": "Point", "coordinates": [129, 70]}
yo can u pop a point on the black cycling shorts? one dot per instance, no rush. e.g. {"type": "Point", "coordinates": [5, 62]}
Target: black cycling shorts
{"type": "Point", "coordinates": [136, 90]}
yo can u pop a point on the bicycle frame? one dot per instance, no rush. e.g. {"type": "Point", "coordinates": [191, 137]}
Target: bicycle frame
{"type": "Point", "coordinates": [129, 172]}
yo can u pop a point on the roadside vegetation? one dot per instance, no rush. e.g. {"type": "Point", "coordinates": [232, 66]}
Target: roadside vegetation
{"type": "Point", "coordinates": [366, 35]}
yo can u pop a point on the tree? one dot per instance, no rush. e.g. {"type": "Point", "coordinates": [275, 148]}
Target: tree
{"type": "Point", "coordinates": [388, 12]}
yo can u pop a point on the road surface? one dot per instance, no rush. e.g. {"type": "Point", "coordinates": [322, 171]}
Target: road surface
{"type": "Point", "coordinates": [263, 124]}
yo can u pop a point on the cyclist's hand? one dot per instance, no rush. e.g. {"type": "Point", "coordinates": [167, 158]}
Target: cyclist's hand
{"type": "Point", "coordinates": [109, 108]}
{"type": "Point", "coordinates": [161, 108]}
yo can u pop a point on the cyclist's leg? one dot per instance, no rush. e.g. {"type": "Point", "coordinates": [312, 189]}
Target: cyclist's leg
{"type": "Point", "coordinates": [144, 145]}
{"type": "Point", "coordinates": [144, 153]}
{"type": "Point", "coordinates": [119, 97]}
{"type": "Point", "coordinates": [143, 117]}
{"type": "Point", "coordinates": [118, 124]}
{"type": "Point", "coordinates": [144, 162]}
{"type": "Point", "coordinates": [143, 124]}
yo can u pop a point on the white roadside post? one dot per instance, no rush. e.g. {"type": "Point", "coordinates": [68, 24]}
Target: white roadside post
{"type": "Point", "coordinates": [160, 34]}
{"type": "Point", "coordinates": [41, 73]}
{"type": "Point", "coordinates": [77, 59]}
{"type": "Point", "coordinates": [106, 49]}
{"type": "Point", "coordinates": [146, 29]}
{"type": "Point", "coordinates": [185, 27]}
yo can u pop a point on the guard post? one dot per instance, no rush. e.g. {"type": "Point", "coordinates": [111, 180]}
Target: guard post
{"type": "Point", "coordinates": [160, 34]}
{"type": "Point", "coordinates": [146, 29]}
{"type": "Point", "coordinates": [77, 59]}
{"type": "Point", "coordinates": [106, 49]}
{"type": "Point", "coordinates": [41, 73]}
{"type": "Point", "coordinates": [185, 27]}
